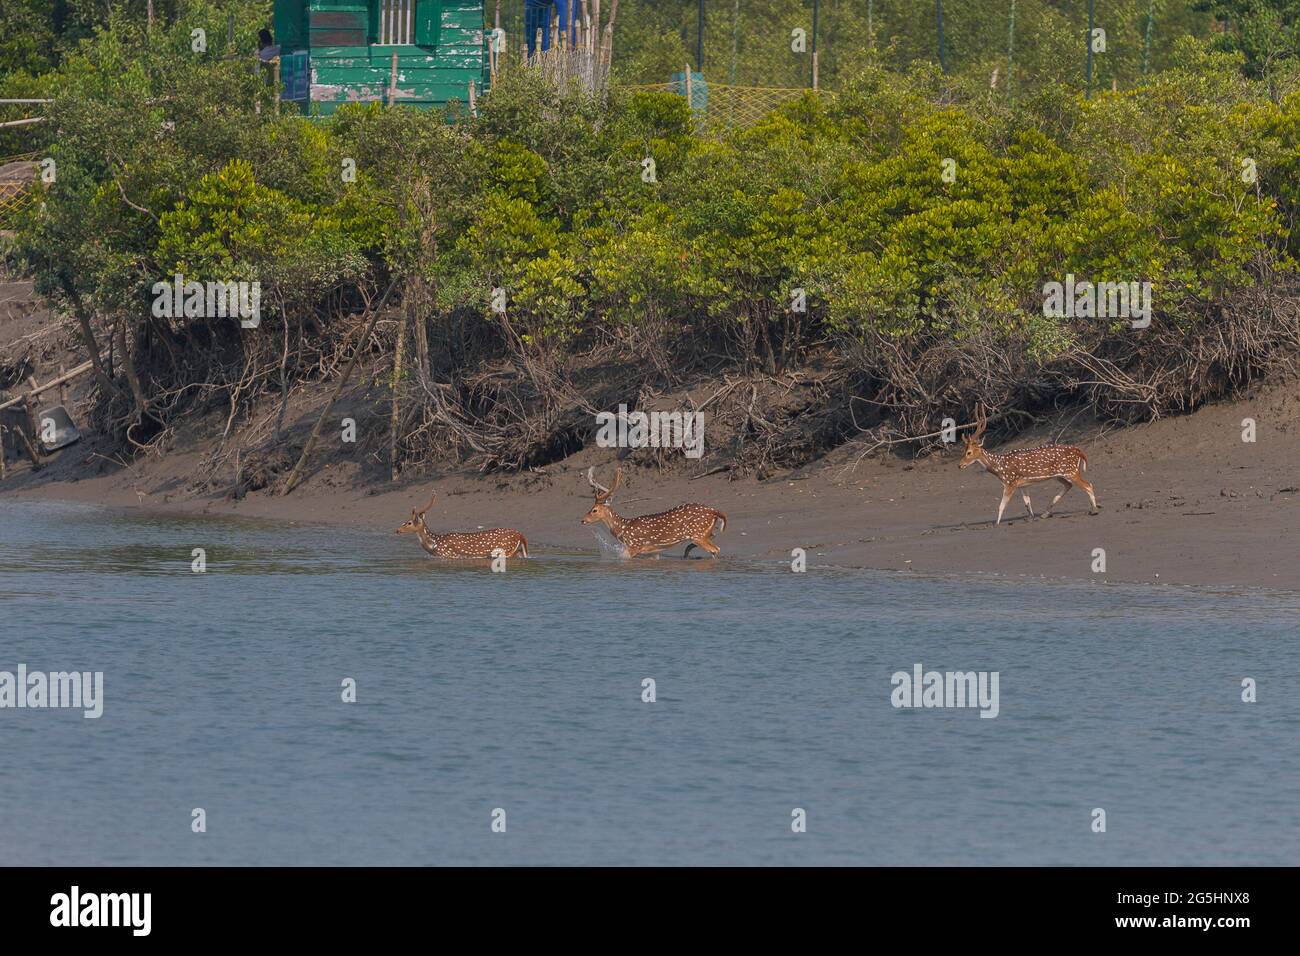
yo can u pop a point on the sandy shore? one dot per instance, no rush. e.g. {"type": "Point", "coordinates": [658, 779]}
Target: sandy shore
{"type": "Point", "coordinates": [1184, 501]}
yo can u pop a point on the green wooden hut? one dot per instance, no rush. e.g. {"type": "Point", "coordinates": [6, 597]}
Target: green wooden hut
{"type": "Point", "coordinates": [341, 51]}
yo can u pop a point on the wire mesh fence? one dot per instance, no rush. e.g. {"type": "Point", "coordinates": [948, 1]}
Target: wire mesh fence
{"type": "Point", "coordinates": [1084, 44]}
{"type": "Point", "coordinates": [718, 108]}
{"type": "Point", "coordinates": [17, 186]}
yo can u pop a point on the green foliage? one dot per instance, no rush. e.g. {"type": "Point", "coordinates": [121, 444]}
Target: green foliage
{"type": "Point", "coordinates": [172, 161]}
{"type": "Point", "coordinates": [231, 228]}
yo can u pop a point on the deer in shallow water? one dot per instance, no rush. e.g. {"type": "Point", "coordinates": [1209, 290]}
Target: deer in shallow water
{"type": "Point", "coordinates": [651, 533]}
{"type": "Point", "coordinates": [1016, 469]}
{"type": "Point", "coordinates": [463, 544]}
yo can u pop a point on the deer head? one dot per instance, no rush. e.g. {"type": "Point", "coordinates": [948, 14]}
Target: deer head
{"type": "Point", "coordinates": [416, 523]}
{"type": "Point", "coordinates": [974, 442]}
{"type": "Point", "coordinates": [601, 511]}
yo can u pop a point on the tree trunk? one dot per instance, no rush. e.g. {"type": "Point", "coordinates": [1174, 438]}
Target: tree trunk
{"type": "Point", "coordinates": [395, 424]}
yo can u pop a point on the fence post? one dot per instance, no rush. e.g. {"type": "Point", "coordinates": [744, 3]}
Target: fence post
{"type": "Point", "coordinates": [1011, 46]}
{"type": "Point", "coordinates": [1146, 39]}
{"type": "Point", "coordinates": [816, 7]}
{"type": "Point", "coordinates": [938, 12]}
{"type": "Point", "coordinates": [690, 103]}
{"type": "Point", "coordinates": [699, 40]}
{"type": "Point", "coordinates": [1091, 20]}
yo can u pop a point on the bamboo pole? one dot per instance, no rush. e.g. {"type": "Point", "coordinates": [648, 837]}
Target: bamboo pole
{"type": "Point", "coordinates": [31, 449]}
{"type": "Point", "coordinates": [66, 377]}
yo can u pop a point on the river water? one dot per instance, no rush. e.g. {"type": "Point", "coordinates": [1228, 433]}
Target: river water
{"type": "Point", "coordinates": [523, 692]}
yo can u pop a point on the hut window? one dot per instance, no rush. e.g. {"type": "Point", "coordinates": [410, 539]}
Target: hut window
{"type": "Point", "coordinates": [396, 21]}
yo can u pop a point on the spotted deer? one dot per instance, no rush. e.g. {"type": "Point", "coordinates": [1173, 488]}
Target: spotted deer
{"type": "Point", "coordinates": [651, 533]}
{"type": "Point", "coordinates": [463, 544]}
{"type": "Point", "coordinates": [1015, 469]}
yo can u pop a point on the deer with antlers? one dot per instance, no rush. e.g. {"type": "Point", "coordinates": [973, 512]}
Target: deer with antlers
{"type": "Point", "coordinates": [652, 533]}
{"type": "Point", "coordinates": [1016, 469]}
{"type": "Point", "coordinates": [464, 544]}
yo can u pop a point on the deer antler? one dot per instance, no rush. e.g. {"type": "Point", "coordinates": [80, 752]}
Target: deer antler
{"type": "Point", "coordinates": [428, 506]}
{"type": "Point", "coordinates": [982, 419]}
{"type": "Point", "coordinates": [603, 493]}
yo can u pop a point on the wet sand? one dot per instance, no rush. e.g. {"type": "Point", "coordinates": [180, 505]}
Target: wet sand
{"type": "Point", "coordinates": [1183, 501]}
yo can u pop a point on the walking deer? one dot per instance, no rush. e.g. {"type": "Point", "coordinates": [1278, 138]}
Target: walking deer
{"type": "Point", "coordinates": [1015, 469]}
{"type": "Point", "coordinates": [463, 544]}
{"type": "Point", "coordinates": [650, 533]}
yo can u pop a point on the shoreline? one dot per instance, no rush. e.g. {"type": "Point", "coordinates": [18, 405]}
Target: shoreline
{"type": "Point", "coordinates": [1183, 501]}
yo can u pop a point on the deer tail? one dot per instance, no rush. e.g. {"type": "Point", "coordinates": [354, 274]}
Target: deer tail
{"type": "Point", "coordinates": [522, 547]}
{"type": "Point", "coordinates": [722, 519]}
{"type": "Point", "coordinates": [1083, 460]}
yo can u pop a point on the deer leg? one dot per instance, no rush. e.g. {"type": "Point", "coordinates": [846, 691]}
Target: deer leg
{"type": "Point", "coordinates": [1086, 485]}
{"type": "Point", "coordinates": [687, 552]}
{"type": "Point", "coordinates": [1028, 506]}
{"type": "Point", "coordinates": [704, 543]}
{"type": "Point", "coordinates": [1068, 486]}
{"type": "Point", "coordinates": [1006, 496]}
